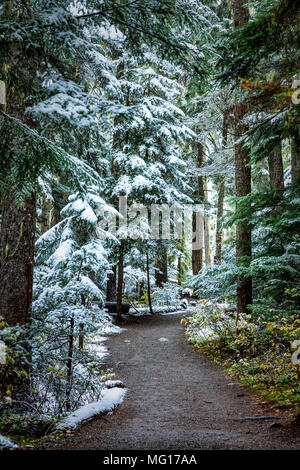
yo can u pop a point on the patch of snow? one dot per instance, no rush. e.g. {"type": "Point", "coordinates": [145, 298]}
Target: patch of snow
{"type": "Point", "coordinates": [163, 340]}
{"type": "Point", "coordinates": [110, 399]}
{"type": "Point", "coordinates": [163, 310]}
{"type": "Point", "coordinates": [7, 443]}
{"type": "Point", "coordinates": [114, 383]}
{"type": "Point", "coordinates": [176, 312]}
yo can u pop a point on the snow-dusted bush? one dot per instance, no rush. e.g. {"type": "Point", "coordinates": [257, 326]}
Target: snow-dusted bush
{"type": "Point", "coordinates": [168, 295]}
{"type": "Point", "coordinates": [213, 320]}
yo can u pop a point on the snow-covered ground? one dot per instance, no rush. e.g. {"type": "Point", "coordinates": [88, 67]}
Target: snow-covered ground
{"type": "Point", "coordinates": [110, 399]}
{"type": "Point", "coordinates": [163, 310]}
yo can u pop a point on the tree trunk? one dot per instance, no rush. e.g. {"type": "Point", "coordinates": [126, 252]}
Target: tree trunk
{"type": "Point", "coordinates": [221, 195]}
{"type": "Point", "coordinates": [120, 286]}
{"type": "Point", "coordinates": [179, 270]}
{"type": "Point", "coordinates": [242, 179]}
{"type": "Point", "coordinates": [206, 232]}
{"type": "Point", "coordinates": [148, 284]}
{"type": "Point", "coordinates": [16, 260]}
{"type": "Point", "coordinates": [197, 254]}
{"type": "Point", "coordinates": [161, 265]}
{"type": "Point", "coordinates": [59, 201]}
{"type": "Point", "coordinates": [18, 221]}
{"type": "Point", "coordinates": [111, 286]}
{"type": "Point", "coordinates": [45, 219]}
{"type": "Point", "coordinates": [220, 211]}
{"type": "Point", "coordinates": [295, 157]}
{"type": "Point", "coordinates": [70, 364]}
{"type": "Point", "coordinates": [276, 167]}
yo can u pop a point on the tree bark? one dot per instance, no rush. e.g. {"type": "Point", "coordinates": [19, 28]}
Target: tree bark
{"type": "Point", "coordinates": [59, 202]}
{"type": "Point", "coordinates": [16, 259]}
{"type": "Point", "coordinates": [45, 219]}
{"type": "Point", "coordinates": [206, 233]}
{"type": "Point", "coordinates": [120, 287]}
{"type": "Point", "coordinates": [276, 167]}
{"type": "Point", "coordinates": [242, 179]}
{"type": "Point", "coordinates": [221, 195]}
{"type": "Point", "coordinates": [70, 364]}
{"type": "Point", "coordinates": [148, 284]}
{"type": "Point", "coordinates": [295, 157]}
{"type": "Point", "coordinates": [197, 254]}
{"type": "Point", "coordinates": [111, 286]}
{"type": "Point", "coordinates": [179, 270]}
{"type": "Point", "coordinates": [161, 265]}
{"type": "Point", "coordinates": [219, 232]}
{"type": "Point", "coordinates": [18, 221]}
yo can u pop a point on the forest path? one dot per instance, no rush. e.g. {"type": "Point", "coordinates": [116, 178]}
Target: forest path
{"type": "Point", "coordinates": [176, 399]}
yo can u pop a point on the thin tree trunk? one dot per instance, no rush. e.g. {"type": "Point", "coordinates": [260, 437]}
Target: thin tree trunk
{"type": "Point", "coordinates": [206, 232]}
{"type": "Point", "coordinates": [197, 254]}
{"type": "Point", "coordinates": [219, 232]}
{"type": "Point", "coordinates": [276, 175]}
{"type": "Point", "coordinates": [179, 271]}
{"type": "Point", "coordinates": [120, 287]}
{"type": "Point", "coordinates": [206, 241]}
{"type": "Point", "coordinates": [242, 179]}
{"type": "Point", "coordinates": [221, 195]}
{"type": "Point", "coordinates": [81, 336]}
{"type": "Point", "coordinates": [148, 284]}
{"type": "Point", "coordinates": [70, 365]}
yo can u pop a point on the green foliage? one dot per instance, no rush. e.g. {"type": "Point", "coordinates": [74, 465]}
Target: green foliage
{"type": "Point", "coordinates": [14, 373]}
{"type": "Point", "coordinates": [272, 28]}
{"type": "Point", "coordinates": [257, 352]}
{"type": "Point", "coordinates": [20, 425]}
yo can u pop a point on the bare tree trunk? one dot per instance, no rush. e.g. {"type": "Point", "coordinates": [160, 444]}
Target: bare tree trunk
{"type": "Point", "coordinates": [295, 157]}
{"type": "Point", "coordinates": [161, 265]}
{"type": "Point", "coordinates": [111, 286]}
{"type": "Point", "coordinates": [120, 286]}
{"type": "Point", "coordinates": [220, 211]}
{"type": "Point", "coordinates": [70, 364]}
{"type": "Point", "coordinates": [243, 231]}
{"type": "Point", "coordinates": [221, 195]}
{"type": "Point", "coordinates": [16, 260]}
{"type": "Point", "coordinates": [242, 179]}
{"type": "Point", "coordinates": [179, 270]}
{"type": "Point", "coordinates": [206, 232]}
{"type": "Point", "coordinates": [276, 167]}
{"type": "Point", "coordinates": [197, 254]}
{"type": "Point", "coordinates": [81, 336]}
{"type": "Point", "coordinates": [148, 284]}
{"type": "Point", "coordinates": [45, 219]}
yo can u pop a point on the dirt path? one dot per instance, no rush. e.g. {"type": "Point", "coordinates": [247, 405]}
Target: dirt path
{"type": "Point", "coordinates": [176, 399]}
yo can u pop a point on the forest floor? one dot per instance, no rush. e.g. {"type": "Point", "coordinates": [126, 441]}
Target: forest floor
{"type": "Point", "coordinates": [176, 399]}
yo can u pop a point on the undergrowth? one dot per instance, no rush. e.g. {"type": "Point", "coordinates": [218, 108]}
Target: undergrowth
{"type": "Point", "coordinates": [260, 354]}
